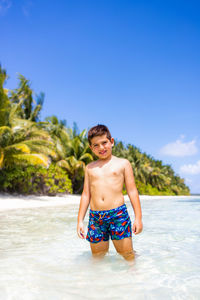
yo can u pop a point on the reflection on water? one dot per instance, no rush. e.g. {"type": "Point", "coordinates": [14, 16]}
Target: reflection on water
{"type": "Point", "coordinates": [41, 256]}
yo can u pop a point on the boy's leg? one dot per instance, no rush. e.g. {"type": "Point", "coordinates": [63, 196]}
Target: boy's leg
{"type": "Point", "coordinates": [121, 232]}
{"type": "Point", "coordinates": [98, 234]}
{"type": "Point", "coordinates": [99, 249]}
{"type": "Point", "coordinates": [125, 248]}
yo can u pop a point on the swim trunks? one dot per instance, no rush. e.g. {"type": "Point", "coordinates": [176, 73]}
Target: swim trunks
{"type": "Point", "coordinates": [102, 224]}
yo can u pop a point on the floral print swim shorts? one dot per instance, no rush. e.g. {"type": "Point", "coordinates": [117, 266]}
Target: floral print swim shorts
{"type": "Point", "coordinates": [102, 224]}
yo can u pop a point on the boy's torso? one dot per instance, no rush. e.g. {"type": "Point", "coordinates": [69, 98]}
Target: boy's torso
{"type": "Point", "coordinates": [106, 183]}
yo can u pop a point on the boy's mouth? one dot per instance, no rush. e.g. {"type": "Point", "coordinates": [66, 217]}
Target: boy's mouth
{"type": "Point", "coordinates": [103, 152]}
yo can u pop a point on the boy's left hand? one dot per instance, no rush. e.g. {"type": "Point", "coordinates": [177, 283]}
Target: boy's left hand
{"type": "Point", "coordinates": [137, 226]}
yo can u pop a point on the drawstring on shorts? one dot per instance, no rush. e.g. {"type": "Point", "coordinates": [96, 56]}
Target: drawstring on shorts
{"type": "Point", "coordinates": [101, 216]}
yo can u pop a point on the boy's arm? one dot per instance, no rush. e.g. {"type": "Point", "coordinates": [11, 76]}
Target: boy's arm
{"type": "Point", "coordinates": [84, 203]}
{"type": "Point", "coordinates": [133, 196]}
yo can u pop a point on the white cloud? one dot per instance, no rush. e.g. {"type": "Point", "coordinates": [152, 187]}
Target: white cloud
{"type": "Point", "coordinates": [4, 6]}
{"type": "Point", "coordinates": [180, 148]}
{"type": "Point", "coordinates": [191, 169]}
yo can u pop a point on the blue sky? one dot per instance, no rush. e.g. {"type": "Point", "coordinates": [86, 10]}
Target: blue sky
{"type": "Point", "coordinates": [131, 65]}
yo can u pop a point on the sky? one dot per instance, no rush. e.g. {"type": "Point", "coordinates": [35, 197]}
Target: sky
{"type": "Point", "coordinates": [133, 66]}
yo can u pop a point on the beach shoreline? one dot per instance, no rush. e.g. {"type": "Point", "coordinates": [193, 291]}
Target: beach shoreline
{"type": "Point", "coordinates": [12, 202]}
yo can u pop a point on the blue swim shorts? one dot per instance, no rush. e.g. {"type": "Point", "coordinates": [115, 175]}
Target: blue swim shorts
{"type": "Point", "coordinates": [115, 222]}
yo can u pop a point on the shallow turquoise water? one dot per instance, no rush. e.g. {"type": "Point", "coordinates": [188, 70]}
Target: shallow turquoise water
{"type": "Point", "coordinates": [41, 256]}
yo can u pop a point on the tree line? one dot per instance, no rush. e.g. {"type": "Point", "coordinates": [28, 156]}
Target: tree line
{"type": "Point", "coordinates": [48, 157]}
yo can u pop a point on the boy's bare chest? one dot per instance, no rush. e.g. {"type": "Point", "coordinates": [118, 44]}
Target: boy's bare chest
{"type": "Point", "coordinates": [114, 173]}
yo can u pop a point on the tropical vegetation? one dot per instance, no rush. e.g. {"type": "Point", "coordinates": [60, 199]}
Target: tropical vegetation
{"type": "Point", "coordinates": [49, 157]}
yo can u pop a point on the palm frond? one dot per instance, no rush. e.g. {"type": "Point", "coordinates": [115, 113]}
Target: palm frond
{"type": "Point", "coordinates": [1, 158]}
{"type": "Point", "coordinates": [63, 164]}
{"type": "Point", "coordinates": [33, 159]}
{"type": "Point", "coordinates": [22, 147]}
{"type": "Point", "coordinates": [86, 155]}
{"type": "Point", "coordinates": [5, 135]}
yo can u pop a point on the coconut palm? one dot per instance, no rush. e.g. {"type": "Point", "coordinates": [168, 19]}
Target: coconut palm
{"type": "Point", "coordinates": [73, 152]}
{"type": "Point", "coordinates": [29, 107]}
{"type": "Point", "coordinates": [21, 140]}
{"type": "Point", "coordinates": [78, 155]}
{"type": "Point", "coordinates": [24, 144]}
{"type": "Point", "coordinates": [59, 134]}
{"type": "Point", "coordinates": [4, 101]}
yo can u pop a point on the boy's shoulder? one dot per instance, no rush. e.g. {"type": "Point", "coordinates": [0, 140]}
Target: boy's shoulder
{"type": "Point", "coordinates": [120, 158]}
{"type": "Point", "coordinates": [122, 161]}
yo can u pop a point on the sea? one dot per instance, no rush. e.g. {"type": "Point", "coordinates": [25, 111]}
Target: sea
{"type": "Point", "coordinates": [42, 257]}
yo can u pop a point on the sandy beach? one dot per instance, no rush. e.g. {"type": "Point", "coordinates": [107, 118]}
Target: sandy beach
{"type": "Point", "coordinates": [9, 202]}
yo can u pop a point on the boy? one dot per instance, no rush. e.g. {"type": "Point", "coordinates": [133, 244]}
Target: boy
{"type": "Point", "coordinates": [103, 184]}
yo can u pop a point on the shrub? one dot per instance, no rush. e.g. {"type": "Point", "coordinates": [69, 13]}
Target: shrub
{"type": "Point", "coordinates": [148, 189]}
{"type": "Point", "coordinates": [35, 180]}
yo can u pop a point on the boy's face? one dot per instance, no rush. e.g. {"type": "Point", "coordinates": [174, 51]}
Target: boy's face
{"type": "Point", "coordinates": [102, 146]}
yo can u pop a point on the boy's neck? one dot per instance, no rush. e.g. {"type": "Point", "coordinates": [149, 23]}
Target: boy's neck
{"type": "Point", "coordinates": [106, 159]}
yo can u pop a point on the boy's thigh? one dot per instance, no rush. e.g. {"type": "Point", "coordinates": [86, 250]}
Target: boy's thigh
{"type": "Point", "coordinates": [100, 247]}
{"type": "Point", "coordinates": [121, 227]}
{"type": "Point", "coordinates": [98, 231]}
{"type": "Point", "coordinates": [124, 245]}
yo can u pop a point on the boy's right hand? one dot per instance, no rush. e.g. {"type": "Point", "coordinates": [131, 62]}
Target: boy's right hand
{"type": "Point", "coordinates": [80, 230]}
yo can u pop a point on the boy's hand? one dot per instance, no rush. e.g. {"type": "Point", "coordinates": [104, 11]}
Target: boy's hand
{"type": "Point", "coordinates": [80, 230]}
{"type": "Point", "coordinates": [137, 226]}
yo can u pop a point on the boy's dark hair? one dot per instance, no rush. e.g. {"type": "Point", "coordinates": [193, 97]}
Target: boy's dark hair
{"type": "Point", "coordinates": [98, 130]}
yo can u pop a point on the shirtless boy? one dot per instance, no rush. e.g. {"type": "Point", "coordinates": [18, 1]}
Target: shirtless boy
{"type": "Point", "coordinates": [103, 185]}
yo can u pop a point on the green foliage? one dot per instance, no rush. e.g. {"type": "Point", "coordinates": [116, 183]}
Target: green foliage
{"type": "Point", "coordinates": [124, 192]}
{"type": "Point", "coordinates": [35, 180]}
{"type": "Point", "coordinates": [25, 144]}
{"type": "Point", "coordinates": [148, 189]}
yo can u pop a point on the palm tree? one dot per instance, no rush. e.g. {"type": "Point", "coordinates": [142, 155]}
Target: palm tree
{"type": "Point", "coordinates": [78, 155]}
{"type": "Point", "coordinates": [21, 141]}
{"type": "Point", "coordinates": [4, 101]}
{"type": "Point", "coordinates": [29, 108]}
{"type": "Point", "coordinates": [72, 148]}
{"type": "Point", "coordinates": [24, 144]}
{"type": "Point", "coordinates": [59, 134]}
